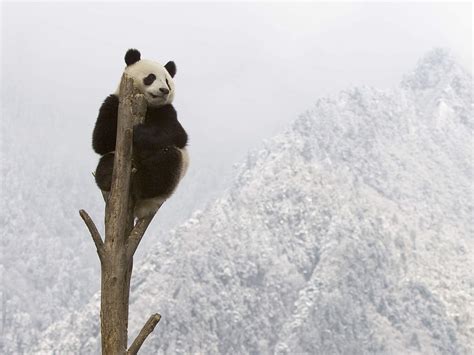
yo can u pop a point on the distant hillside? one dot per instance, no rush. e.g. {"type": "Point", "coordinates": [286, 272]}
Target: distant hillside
{"type": "Point", "coordinates": [350, 233]}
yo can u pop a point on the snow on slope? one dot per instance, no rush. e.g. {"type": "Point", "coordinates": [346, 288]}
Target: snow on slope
{"type": "Point", "coordinates": [349, 233]}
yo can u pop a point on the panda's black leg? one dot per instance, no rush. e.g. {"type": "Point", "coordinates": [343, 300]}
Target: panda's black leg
{"type": "Point", "coordinates": [157, 172]}
{"type": "Point", "coordinates": [103, 173]}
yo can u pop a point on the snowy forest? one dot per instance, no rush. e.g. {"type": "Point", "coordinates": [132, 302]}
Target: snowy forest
{"type": "Point", "coordinates": [320, 217]}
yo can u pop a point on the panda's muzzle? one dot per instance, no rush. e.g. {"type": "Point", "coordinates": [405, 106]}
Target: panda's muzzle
{"type": "Point", "coordinates": [164, 92]}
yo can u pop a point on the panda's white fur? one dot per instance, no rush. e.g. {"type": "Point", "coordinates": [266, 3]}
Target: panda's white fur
{"type": "Point", "coordinates": [138, 71]}
{"type": "Point", "coordinates": [154, 97]}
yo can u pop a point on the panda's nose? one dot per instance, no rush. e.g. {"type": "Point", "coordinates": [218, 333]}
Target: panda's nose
{"type": "Point", "coordinates": [164, 91]}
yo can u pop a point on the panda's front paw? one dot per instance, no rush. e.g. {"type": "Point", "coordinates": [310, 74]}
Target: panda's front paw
{"type": "Point", "coordinates": [142, 155]}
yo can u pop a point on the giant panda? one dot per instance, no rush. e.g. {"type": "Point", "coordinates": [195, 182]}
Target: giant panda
{"type": "Point", "coordinates": [159, 143]}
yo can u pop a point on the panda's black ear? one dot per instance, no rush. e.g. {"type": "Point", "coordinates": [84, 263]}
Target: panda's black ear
{"type": "Point", "coordinates": [132, 56]}
{"type": "Point", "coordinates": [171, 68]}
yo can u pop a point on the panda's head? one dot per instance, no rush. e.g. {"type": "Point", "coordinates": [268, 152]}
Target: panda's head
{"type": "Point", "coordinates": [154, 80]}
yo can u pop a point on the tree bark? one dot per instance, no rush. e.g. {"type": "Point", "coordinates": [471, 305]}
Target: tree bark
{"type": "Point", "coordinates": [121, 235]}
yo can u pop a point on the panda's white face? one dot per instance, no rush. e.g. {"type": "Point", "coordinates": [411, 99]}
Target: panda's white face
{"type": "Point", "coordinates": [153, 80]}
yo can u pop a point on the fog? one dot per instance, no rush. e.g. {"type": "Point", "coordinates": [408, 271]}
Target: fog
{"type": "Point", "coordinates": [244, 70]}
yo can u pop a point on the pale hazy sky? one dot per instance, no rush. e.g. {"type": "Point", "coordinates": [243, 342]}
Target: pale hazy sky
{"type": "Point", "coordinates": [245, 70]}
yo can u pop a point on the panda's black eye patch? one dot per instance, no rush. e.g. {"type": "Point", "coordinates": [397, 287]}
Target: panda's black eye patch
{"type": "Point", "coordinates": [149, 79]}
{"type": "Point", "coordinates": [169, 87]}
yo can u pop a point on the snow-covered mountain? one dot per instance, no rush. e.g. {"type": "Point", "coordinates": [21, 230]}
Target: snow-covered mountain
{"type": "Point", "coordinates": [349, 233]}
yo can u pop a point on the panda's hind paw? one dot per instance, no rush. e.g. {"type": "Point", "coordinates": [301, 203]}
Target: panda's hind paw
{"type": "Point", "coordinates": [103, 173]}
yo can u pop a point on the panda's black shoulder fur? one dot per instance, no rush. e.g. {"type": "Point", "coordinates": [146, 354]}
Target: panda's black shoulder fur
{"type": "Point", "coordinates": [160, 129]}
{"type": "Point", "coordinates": [165, 119]}
{"type": "Point", "coordinates": [105, 130]}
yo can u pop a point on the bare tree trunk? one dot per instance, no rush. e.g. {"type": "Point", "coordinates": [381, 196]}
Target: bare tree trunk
{"type": "Point", "coordinates": [121, 235]}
